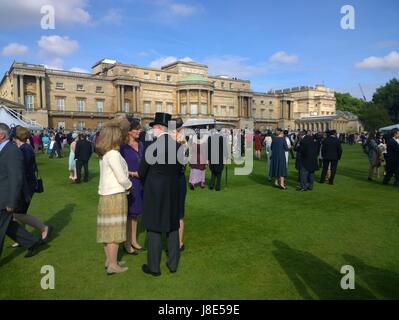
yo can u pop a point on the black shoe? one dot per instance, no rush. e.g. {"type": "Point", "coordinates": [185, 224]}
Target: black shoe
{"type": "Point", "coordinates": [191, 186]}
{"type": "Point", "coordinates": [170, 270]}
{"type": "Point", "coordinates": [133, 253]}
{"type": "Point", "coordinates": [210, 187]}
{"type": "Point", "coordinates": [146, 269]}
{"type": "Point", "coordinates": [33, 250]}
{"type": "Point", "coordinates": [302, 190]}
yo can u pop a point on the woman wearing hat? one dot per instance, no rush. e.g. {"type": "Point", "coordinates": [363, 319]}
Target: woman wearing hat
{"type": "Point", "coordinates": [72, 161]}
{"type": "Point", "coordinates": [278, 164]}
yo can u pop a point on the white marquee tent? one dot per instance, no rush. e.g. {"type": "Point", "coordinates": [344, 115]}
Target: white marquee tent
{"type": "Point", "coordinates": [389, 128]}
{"type": "Point", "coordinates": [13, 119]}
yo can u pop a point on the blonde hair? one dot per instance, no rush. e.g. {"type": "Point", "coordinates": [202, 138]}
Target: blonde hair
{"type": "Point", "coordinates": [22, 134]}
{"type": "Point", "coordinates": [110, 139]}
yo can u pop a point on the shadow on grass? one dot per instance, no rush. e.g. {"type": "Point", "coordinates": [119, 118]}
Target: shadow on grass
{"type": "Point", "coordinates": [381, 281]}
{"type": "Point", "coordinates": [312, 276]}
{"type": "Point", "coordinates": [58, 221]}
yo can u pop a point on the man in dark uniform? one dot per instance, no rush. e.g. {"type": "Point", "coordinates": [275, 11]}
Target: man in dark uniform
{"type": "Point", "coordinates": [309, 149]}
{"type": "Point", "coordinates": [392, 158]}
{"type": "Point", "coordinates": [331, 152]}
{"type": "Point", "coordinates": [83, 153]}
{"type": "Point", "coordinates": [11, 193]}
{"type": "Point", "coordinates": [217, 154]}
{"type": "Point", "coordinates": [159, 170]}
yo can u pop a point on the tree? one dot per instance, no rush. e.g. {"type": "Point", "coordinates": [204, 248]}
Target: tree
{"type": "Point", "coordinates": [388, 97]}
{"type": "Point", "coordinates": [374, 116]}
{"type": "Point", "coordinates": [345, 102]}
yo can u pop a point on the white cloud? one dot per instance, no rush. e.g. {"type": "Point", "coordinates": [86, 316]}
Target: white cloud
{"type": "Point", "coordinates": [283, 57]}
{"type": "Point", "coordinates": [57, 45]}
{"type": "Point", "coordinates": [388, 62]}
{"type": "Point", "coordinates": [163, 61]}
{"type": "Point", "coordinates": [14, 49]}
{"type": "Point", "coordinates": [23, 12]}
{"type": "Point", "coordinates": [180, 9]}
{"type": "Point", "coordinates": [77, 69]}
{"type": "Point", "coordinates": [56, 63]}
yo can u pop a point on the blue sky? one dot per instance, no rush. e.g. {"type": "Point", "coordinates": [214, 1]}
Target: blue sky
{"type": "Point", "coordinates": [275, 44]}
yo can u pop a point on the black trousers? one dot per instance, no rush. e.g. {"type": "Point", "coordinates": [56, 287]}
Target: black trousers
{"type": "Point", "coordinates": [216, 176]}
{"type": "Point", "coordinates": [79, 165]}
{"type": "Point", "coordinates": [14, 230]}
{"type": "Point", "coordinates": [334, 165]}
{"type": "Point", "coordinates": [306, 178]}
{"type": "Point", "coordinates": [154, 250]}
{"type": "Point", "coordinates": [392, 170]}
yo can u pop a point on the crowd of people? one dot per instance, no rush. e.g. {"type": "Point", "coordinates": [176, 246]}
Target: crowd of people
{"type": "Point", "coordinates": [133, 184]}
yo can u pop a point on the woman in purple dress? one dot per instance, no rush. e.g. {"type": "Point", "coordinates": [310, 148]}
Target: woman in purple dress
{"type": "Point", "coordinates": [133, 152]}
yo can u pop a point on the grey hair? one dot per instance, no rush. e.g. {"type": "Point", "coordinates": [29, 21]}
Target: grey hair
{"type": "Point", "coordinates": [5, 130]}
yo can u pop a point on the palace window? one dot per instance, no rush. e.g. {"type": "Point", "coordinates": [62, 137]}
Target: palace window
{"type": "Point", "coordinates": [147, 107]}
{"type": "Point", "coordinates": [80, 104]}
{"type": "Point", "coordinates": [262, 113]}
{"type": "Point", "coordinates": [60, 103]}
{"type": "Point", "coordinates": [80, 87]}
{"type": "Point", "coordinates": [254, 112]}
{"type": "Point", "coordinates": [168, 78]}
{"type": "Point", "coordinates": [99, 89]}
{"type": "Point", "coordinates": [183, 108]}
{"type": "Point", "coordinates": [146, 75]}
{"type": "Point", "coordinates": [262, 102]}
{"type": "Point", "coordinates": [80, 125]}
{"type": "Point", "coordinates": [215, 110]}
{"type": "Point", "coordinates": [194, 108]}
{"type": "Point", "coordinates": [158, 77]}
{"type": "Point", "coordinates": [204, 108]}
{"type": "Point", "coordinates": [170, 108]}
{"type": "Point", "coordinates": [270, 114]}
{"type": "Point", "coordinates": [231, 86]}
{"type": "Point", "coordinates": [231, 111]}
{"type": "Point", "coordinates": [59, 85]}
{"type": "Point", "coordinates": [29, 102]}
{"type": "Point", "coordinates": [100, 105]}
{"type": "Point", "coordinates": [126, 107]}
{"type": "Point", "coordinates": [100, 125]}
{"type": "Point", "coordinates": [222, 84]}
{"type": "Point", "coordinates": [158, 106]}
{"type": "Point", "coordinates": [223, 111]}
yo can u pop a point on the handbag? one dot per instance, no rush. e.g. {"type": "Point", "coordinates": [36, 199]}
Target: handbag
{"type": "Point", "coordinates": [39, 188]}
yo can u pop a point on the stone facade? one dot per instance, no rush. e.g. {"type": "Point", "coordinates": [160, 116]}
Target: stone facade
{"type": "Point", "coordinates": [57, 98]}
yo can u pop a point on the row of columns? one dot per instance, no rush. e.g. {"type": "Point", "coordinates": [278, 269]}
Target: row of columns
{"type": "Point", "coordinates": [241, 113]}
{"type": "Point", "coordinates": [19, 91]}
{"type": "Point", "coordinates": [188, 104]}
{"type": "Point", "coordinates": [314, 126]}
{"type": "Point", "coordinates": [120, 98]}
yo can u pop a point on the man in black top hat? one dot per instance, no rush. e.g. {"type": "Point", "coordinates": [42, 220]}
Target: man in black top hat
{"type": "Point", "coordinates": [160, 171]}
{"type": "Point", "coordinates": [331, 152]}
{"type": "Point", "coordinates": [217, 155]}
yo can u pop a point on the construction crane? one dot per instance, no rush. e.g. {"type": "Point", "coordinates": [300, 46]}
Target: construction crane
{"type": "Point", "coordinates": [364, 96]}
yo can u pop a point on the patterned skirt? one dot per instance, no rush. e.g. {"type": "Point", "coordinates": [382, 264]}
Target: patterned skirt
{"type": "Point", "coordinates": [111, 218]}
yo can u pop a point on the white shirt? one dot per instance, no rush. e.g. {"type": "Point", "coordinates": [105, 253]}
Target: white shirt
{"type": "Point", "coordinates": [114, 174]}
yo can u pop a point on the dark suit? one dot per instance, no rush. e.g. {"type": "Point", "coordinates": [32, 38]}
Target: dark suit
{"type": "Point", "coordinates": [161, 200]}
{"type": "Point", "coordinates": [308, 151]}
{"type": "Point", "coordinates": [331, 152]}
{"type": "Point", "coordinates": [392, 160]}
{"type": "Point", "coordinates": [83, 153]}
{"type": "Point", "coordinates": [217, 154]}
{"type": "Point", "coordinates": [11, 196]}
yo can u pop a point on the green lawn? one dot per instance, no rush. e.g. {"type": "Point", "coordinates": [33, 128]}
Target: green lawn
{"type": "Point", "coordinates": [250, 241]}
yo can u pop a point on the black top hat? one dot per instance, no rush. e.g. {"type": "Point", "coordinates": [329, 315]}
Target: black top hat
{"type": "Point", "coordinates": [161, 118]}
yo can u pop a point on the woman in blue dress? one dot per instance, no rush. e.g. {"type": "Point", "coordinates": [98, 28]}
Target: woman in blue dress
{"type": "Point", "coordinates": [278, 164]}
{"type": "Point", "coordinates": [133, 152]}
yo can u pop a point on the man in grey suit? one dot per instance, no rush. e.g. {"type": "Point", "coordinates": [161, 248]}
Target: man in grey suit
{"type": "Point", "coordinates": [11, 184]}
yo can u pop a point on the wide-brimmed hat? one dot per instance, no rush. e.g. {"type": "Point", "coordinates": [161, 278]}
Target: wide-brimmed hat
{"type": "Point", "coordinates": [161, 118]}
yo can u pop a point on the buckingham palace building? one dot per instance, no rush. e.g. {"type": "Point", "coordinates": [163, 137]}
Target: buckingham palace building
{"type": "Point", "coordinates": [74, 100]}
